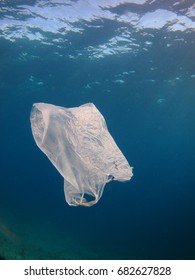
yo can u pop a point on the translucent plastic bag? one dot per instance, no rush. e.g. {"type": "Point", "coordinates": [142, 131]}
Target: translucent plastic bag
{"type": "Point", "coordinates": [77, 142]}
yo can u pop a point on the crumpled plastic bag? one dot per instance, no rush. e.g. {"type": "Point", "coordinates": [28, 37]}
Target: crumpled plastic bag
{"type": "Point", "coordinates": [77, 142]}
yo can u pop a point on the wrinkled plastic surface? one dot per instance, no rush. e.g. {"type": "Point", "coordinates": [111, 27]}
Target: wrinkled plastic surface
{"type": "Point", "coordinates": [77, 142]}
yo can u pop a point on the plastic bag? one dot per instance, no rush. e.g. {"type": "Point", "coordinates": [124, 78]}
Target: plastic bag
{"type": "Point", "coordinates": [77, 142]}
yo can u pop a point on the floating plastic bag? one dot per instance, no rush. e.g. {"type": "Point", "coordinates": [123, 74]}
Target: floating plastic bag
{"type": "Point", "coordinates": [77, 142]}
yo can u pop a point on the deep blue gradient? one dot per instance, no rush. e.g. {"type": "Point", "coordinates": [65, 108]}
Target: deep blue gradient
{"type": "Point", "coordinates": [151, 116]}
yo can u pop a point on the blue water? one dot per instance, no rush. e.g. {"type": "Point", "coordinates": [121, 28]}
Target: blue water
{"type": "Point", "coordinates": [140, 74]}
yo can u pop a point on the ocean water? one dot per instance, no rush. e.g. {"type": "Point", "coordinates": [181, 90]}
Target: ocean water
{"type": "Point", "coordinates": [135, 60]}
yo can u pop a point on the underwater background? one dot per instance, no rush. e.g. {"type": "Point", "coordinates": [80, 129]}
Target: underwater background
{"type": "Point", "coordinates": [135, 60]}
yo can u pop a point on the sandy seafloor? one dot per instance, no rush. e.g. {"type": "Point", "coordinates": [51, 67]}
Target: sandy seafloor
{"type": "Point", "coordinates": [135, 60]}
